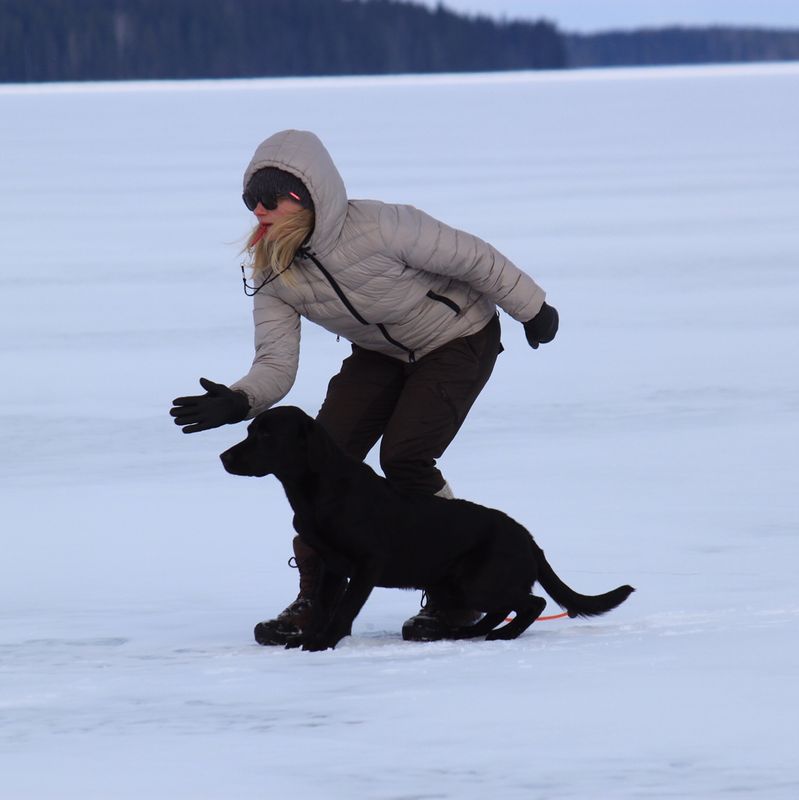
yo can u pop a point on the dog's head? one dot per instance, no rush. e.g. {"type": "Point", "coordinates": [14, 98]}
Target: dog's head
{"type": "Point", "coordinates": [283, 441]}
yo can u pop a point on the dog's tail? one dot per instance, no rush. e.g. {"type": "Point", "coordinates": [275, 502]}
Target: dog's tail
{"type": "Point", "coordinates": [577, 605]}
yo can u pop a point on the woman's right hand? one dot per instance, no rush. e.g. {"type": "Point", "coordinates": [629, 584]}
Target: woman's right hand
{"type": "Point", "coordinates": [218, 406]}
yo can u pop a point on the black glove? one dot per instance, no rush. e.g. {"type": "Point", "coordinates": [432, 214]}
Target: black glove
{"type": "Point", "coordinates": [218, 406]}
{"type": "Point", "coordinates": [542, 327]}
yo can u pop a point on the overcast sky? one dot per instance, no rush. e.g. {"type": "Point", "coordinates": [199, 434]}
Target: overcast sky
{"type": "Point", "coordinates": [595, 15]}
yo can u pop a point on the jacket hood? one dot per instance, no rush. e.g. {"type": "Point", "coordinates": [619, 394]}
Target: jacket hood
{"type": "Point", "coordinates": [302, 154]}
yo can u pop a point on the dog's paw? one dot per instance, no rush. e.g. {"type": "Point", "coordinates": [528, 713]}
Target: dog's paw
{"type": "Point", "coordinates": [316, 644]}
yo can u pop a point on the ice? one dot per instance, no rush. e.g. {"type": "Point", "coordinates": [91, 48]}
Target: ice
{"type": "Point", "coordinates": [653, 443]}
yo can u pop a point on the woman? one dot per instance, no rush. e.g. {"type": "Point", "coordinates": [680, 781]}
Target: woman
{"type": "Point", "coordinates": [417, 300]}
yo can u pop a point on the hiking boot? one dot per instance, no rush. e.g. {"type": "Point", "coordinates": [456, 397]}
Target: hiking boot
{"type": "Point", "coordinates": [434, 623]}
{"type": "Point", "coordinates": [289, 624]}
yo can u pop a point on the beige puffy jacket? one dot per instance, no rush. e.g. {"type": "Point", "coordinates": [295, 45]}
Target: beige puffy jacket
{"type": "Point", "coordinates": [386, 277]}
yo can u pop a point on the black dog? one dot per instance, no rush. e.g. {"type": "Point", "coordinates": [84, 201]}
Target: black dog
{"type": "Point", "coordinates": [465, 555]}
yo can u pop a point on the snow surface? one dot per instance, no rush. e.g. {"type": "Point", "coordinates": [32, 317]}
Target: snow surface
{"type": "Point", "coordinates": [654, 442]}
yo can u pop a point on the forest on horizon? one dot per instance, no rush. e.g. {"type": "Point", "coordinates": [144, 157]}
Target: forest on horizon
{"type": "Point", "coordinates": [93, 40]}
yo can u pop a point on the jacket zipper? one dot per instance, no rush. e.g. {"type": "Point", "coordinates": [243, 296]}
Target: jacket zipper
{"type": "Point", "coordinates": [304, 252]}
{"type": "Point", "coordinates": [440, 298]}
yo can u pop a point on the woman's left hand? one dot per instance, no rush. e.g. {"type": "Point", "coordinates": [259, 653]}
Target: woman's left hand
{"type": "Point", "coordinates": [542, 327]}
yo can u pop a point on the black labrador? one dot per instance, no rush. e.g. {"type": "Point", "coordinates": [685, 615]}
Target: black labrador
{"type": "Point", "coordinates": [464, 554]}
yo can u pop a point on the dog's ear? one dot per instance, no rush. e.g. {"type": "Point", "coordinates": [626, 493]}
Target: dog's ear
{"type": "Point", "coordinates": [317, 446]}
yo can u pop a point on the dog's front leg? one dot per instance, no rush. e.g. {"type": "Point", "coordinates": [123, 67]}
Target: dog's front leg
{"type": "Point", "coordinates": [362, 581]}
{"type": "Point", "coordinates": [327, 592]}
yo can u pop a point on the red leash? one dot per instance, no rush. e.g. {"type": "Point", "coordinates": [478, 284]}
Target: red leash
{"type": "Point", "coordinates": [546, 619]}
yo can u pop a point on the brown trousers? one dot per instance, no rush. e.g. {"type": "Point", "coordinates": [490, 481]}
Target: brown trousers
{"type": "Point", "coordinates": [417, 408]}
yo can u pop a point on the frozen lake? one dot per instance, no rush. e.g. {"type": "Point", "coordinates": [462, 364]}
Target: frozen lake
{"type": "Point", "coordinates": [654, 442]}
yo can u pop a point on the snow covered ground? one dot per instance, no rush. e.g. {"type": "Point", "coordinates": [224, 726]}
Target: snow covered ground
{"type": "Point", "coordinates": [654, 442]}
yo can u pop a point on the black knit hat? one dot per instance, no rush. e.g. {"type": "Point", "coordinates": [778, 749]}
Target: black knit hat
{"type": "Point", "coordinates": [273, 183]}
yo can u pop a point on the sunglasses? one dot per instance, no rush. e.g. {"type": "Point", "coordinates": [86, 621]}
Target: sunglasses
{"type": "Point", "coordinates": [269, 200]}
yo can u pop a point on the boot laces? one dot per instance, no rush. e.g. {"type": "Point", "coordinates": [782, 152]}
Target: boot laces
{"type": "Point", "coordinates": [308, 576]}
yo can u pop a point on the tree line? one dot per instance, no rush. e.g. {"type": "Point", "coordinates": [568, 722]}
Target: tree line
{"type": "Point", "coordinates": [679, 45]}
{"type": "Point", "coordinates": [77, 40]}
{"type": "Point", "coordinates": [56, 40]}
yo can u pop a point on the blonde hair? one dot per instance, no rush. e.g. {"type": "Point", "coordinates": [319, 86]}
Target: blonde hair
{"type": "Point", "coordinates": [272, 254]}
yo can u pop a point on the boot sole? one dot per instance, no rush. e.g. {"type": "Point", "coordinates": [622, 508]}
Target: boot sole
{"type": "Point", "coordinates": [419, 631]}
